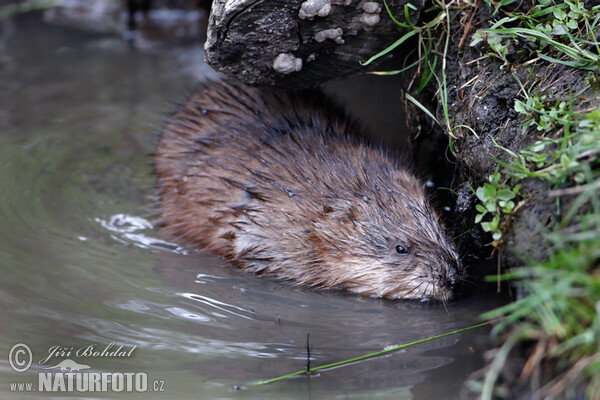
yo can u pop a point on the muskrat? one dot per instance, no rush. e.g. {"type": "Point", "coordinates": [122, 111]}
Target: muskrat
{"type": "Point", "coordinates": [284, 184]}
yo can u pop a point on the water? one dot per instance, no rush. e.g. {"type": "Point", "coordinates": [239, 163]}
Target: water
{"type": "Point", "coordinates": [81, 265]}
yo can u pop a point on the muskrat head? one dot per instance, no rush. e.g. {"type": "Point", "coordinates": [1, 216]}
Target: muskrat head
{"type": "Point", "coordinates": [395, 248]}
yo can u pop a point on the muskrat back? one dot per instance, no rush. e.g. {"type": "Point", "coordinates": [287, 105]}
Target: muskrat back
{"type": "Point", "coordinates": [282, 184]}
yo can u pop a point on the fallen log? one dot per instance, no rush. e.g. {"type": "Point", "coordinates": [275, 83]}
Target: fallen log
{"type": "Point", "coordinates": [299, 44]}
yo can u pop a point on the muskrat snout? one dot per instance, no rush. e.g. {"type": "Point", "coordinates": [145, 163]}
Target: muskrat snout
{"type": "Point", "coordinates": [450, 280]}
{"type": "Point", "coordinates": [452, 275]}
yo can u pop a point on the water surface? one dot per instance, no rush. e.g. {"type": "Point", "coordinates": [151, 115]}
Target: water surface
{"type": "Point", "coordinates": [80, 263]}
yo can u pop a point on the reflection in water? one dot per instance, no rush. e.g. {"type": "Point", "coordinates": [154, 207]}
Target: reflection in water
{"type": "Point", "coordinates": [81, 263]}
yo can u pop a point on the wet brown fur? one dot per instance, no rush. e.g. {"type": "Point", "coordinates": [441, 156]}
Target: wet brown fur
{"type": "Point", "coordinates": [281, 184]}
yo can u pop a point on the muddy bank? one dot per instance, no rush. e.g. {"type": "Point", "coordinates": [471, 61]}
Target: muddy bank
{"type": "Point", "coordinates": [513, 116]}
{"type": "Point", "coordinates": [482, 96]}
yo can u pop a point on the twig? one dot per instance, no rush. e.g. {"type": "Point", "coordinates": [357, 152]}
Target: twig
{"type": "Point", "coordinates": [467, 27]}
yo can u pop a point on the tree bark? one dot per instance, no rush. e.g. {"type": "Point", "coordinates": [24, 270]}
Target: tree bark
{"type": "Point", "coordinates": [297, 44]}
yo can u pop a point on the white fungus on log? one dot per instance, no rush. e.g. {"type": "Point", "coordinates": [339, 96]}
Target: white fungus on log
{"type": "Point", "coordinates": [246, 38]}
{"type": "Point", "coordinates": [370, 17]}
{"type": "Point", "coordinates": [286, 63]}
{"type": "Point", "coordinates": [311, 8]}
{"type": "Point", "coordinates": [333, 34]}
{"type": "Point", "coordinates": [369, 20]}
{"type": "Point", "coordinates": [371, 7]}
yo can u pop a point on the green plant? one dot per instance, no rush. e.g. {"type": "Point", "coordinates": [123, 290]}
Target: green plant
{"type": "Point", "coordinates": [562, 32]}
{"type": "Point", "coordinates": [561, 159]}
{"type": "Point", "coordinates": [497, 202]}
{"type": "Point", "coordinates": [430, 37]}
{"type": "Point", "coordinates": [559, 299]}
{"type": "Point", "coordinates": [428, 46]}
{"type": "Point", "coordinates": [559, 308]}
{"type": "Point", "coordinates": [559, 296]}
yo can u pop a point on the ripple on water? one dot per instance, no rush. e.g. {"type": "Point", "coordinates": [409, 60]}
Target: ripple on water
{"type": "Point", "coordinates": [129, 229]}
{"type": "Point", "coordinates": [219, 305]}
{"type": "Point", "coordinates": [194, 316]}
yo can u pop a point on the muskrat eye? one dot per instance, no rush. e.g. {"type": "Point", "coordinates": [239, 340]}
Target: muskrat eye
{"type": "Point", "coordinates": [401, 250]}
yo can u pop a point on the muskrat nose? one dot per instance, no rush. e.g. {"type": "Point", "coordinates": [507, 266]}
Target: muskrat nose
{"type": "Point", "coordinates": [452, 277]}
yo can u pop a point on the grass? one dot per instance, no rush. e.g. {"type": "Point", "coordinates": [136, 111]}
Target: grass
{"type": "Point", "coordinates": [558, 32]}
{"type": "Point", "coordinates": [366, 356]}
{"type": "Point", "coordinates": [429, 44]}
{"type": "Point", "coordinates": [559, 295]}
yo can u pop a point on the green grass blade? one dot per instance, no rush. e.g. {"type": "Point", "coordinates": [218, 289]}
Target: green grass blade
{"type": "Point", "coordinates": [394, 72]}
{"type": "Point", "coordinates": [393, 18]}
{"type": "Point", "coordinates": [397, 43]}
{"type": "Point", "coordinates": [372, 355]}
{"type": "Point", "coordinates": [422, 107]}
{"type": "Point", "coordinates": [573, 64]}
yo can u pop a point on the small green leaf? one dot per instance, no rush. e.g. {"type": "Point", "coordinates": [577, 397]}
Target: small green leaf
{"type": "Point", "coordinates": [478, 37]}
{"type": "Point", "coordinates": [489, 191]}
{"type": "Point", "coordinates": [566, 162]}
{"type": "Point", "coordinates": [495, 179]}
{"type": "Point", "coordinates": [520, 107]}
{"type": "Point", "coordinates": [480, 193]}
{"type": "Point", "coordinates": [594, 115]}
{"type": "Point", "coordinates": [538, 146]}
{"type": "Point", "coordinates": [495, 222]}
{"type": "Point", "coordinates": [504, 194]}
{"type": "Point", "coordinates": [559, 14]}
{"type": "Point", "coordinates": [491, 206]}
{"type": "Point", "coordinates": [509, 207]}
